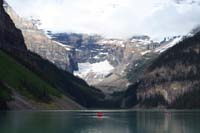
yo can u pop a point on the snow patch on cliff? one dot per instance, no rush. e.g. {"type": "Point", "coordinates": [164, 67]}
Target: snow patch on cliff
{"type": "Point", "coordinates": [169, 45]}
{"type": "Point", "coordinates": [94, 70]}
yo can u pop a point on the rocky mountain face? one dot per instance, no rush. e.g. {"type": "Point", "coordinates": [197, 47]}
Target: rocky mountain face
{"type": "Point", "coordinates": [172, 80]}
{"type": "Point", "coordinates": [105, 63]}
{"type": "Point", "coordinates": [62, 56]}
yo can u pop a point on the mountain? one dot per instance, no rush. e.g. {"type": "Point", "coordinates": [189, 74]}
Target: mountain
{"type": "Point", "coordinates": [62, 56]}
{"type": "Point", "coordinates": [36, 69]}
{"type": "Point", "coordinates": [104, 85]}
{"type": "Point", "coordinates": [28, 81]}
{"type": "Point", "coordinates": [105, 63]}
{"type": "Point", "coordinates": [171, 80]}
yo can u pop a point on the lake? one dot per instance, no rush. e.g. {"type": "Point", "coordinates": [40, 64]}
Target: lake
{"type": "Point", "coordinates": [141, 121]}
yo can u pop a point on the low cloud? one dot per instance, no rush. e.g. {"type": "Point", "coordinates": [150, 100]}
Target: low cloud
{"type": "Point", "coordinates": [113, 18]}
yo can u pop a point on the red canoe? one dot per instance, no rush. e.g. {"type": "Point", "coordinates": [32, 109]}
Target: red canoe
{"type": "Point", "coordinates": [99, 114]}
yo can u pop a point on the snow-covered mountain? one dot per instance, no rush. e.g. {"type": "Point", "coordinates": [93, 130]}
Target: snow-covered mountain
{"type": "Point", "coordinates": [168, 43]}
{"type": "Point", "coordinates": [104, 63]}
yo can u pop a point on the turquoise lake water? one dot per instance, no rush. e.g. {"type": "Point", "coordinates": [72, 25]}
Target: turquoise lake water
{"type": "Point", "coordinates": [90, 122]}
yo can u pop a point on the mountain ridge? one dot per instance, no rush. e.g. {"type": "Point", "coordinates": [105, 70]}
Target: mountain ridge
{"type": "Point", "coordinates": [172, 79]}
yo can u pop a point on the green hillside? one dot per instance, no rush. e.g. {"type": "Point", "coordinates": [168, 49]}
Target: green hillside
{"type": "Point", "coordinates": [14, 75]}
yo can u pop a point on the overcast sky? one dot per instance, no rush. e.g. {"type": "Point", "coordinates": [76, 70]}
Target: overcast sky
{"type": "Point", "coordinates": [114, 18]}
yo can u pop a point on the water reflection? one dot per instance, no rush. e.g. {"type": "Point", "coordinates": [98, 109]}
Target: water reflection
{"type": "Point", "coordinates": [88, 122]}
{"type": "Point", "coordinates": [175, 122]}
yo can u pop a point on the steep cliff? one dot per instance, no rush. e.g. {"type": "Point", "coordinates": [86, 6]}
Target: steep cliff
{"type": "Point", "coordinates": [62, 56]}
